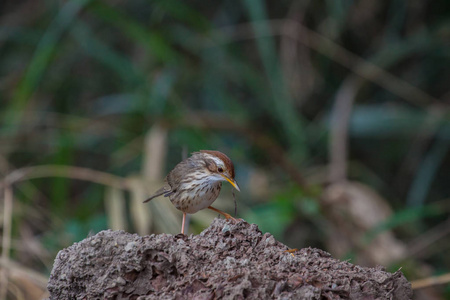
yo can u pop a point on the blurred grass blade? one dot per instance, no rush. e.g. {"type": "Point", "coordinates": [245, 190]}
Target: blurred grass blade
{"type": "Point", "coordinates": [427, 171]}
{"type": "Point", "coordinates": [155, 150]}
{"type": "Point", "coordinates": [165, 215]}
{"type": "Point", "coordinates": [379, 121]}
{"type": "Point", "coordinates": [154, 41]}
{"type": "Point", "coordinates": [115, 209]}
{"type": "Point", "coordinates": [403, 217]}
{"type": "Point", "coordinates": [43, 56]}
{"type": "Point", "coordinates": [181, 11]}
{"type": "Point", "coordinates": [280, 101]}
{"type": "Point", "coordinates": [139, 216]}
{"type": "Point", "coordinates": [121, 65]}
{"type": "Point", "coordinates": [6, 237]}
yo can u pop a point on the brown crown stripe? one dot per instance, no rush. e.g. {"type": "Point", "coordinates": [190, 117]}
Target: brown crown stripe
{"type": "Point", "coordinates": [226, 160]}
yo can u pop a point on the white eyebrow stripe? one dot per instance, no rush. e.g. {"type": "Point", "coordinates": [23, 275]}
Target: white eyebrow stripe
{"type": "Point", "coordinates": [217, 160]}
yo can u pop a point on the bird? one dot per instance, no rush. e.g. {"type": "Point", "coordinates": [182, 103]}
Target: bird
{"type": "Point", "coordinates": [195, 183]}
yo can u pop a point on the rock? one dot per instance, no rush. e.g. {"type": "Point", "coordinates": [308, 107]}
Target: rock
{"type": "Point", "coordinates": [226, 261]}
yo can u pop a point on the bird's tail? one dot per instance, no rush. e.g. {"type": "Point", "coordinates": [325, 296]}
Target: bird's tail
{"type": "Point", "coordinates": [158, 193]}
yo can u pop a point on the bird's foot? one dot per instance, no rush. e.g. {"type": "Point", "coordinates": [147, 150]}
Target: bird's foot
{"type": "Point", "coordinates": [291, 251]}
{"type": "Point", "coordinates": [232, 219]}
{"type": "Point", "coordinates": [227, 216]}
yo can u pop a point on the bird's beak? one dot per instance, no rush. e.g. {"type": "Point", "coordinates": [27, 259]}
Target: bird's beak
{"type": "Point", "coordinates": [232, 181]}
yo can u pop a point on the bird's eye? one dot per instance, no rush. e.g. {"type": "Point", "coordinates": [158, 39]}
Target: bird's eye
{"type": "Point", "coordinates": [220, 170]}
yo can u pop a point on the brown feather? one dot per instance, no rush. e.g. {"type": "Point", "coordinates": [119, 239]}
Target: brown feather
{"type": "Point", "coordinates": [226, 160]}
{"type": "Point", "coordinates": [195, 183]}
{"type": "Point", "coordinates": [195, 164]}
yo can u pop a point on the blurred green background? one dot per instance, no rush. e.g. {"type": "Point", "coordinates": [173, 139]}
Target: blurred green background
{"type": "Point", "coordinates": [335, 114]}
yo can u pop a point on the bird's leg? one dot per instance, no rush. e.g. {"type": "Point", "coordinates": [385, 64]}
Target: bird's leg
{"type": "Point", "coordinates": [184, 221]}
{"type": "Point", "coordinates": [227, 216]}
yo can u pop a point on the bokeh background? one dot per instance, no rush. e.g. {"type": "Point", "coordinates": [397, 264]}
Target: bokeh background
{"type": "Point", "coordinates": [334, 112]}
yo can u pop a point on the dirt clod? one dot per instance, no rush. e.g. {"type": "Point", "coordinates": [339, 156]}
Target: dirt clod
{"type": "Point", "coordinates": [226, 261]}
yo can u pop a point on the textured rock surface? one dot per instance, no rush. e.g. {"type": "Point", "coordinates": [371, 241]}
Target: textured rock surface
{"type": "Point", "coordinates": [225, 261]}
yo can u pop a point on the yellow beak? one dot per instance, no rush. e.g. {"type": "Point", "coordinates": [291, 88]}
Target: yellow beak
{"type": "Point", "coordinates": [232, 181]}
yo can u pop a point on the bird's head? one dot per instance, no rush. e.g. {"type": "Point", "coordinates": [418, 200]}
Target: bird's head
{"type": "Point", "coordinates": [219, 166]}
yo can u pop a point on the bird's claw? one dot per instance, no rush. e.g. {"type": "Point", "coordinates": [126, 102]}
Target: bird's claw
{"type": "Point", "coordinates": [291, 251]}
{"type": "Point", "coordinates": [232, 219]}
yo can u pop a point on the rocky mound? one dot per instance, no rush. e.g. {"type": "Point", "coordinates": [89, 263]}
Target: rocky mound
{"type": "Point", "coordinates": [226, 261]}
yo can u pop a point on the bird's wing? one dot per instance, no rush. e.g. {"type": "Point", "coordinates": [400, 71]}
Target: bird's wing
{"type": "Point", "coordinates": [176, 176]}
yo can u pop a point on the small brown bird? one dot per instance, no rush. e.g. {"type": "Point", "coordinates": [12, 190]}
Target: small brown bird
{"type": "Point", "coordinates": [195, 183]}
